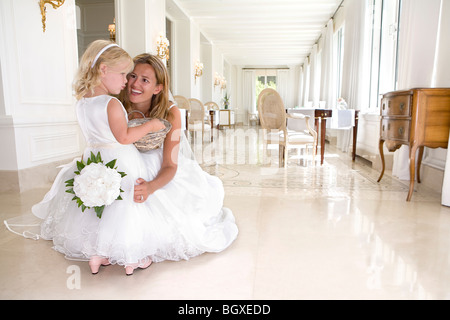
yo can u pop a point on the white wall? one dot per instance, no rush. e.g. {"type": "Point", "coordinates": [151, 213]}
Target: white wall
{"type": "Point", "coordinates": [441, 76]}
{"type": "Point", "coordinates": [206, 57]}
{"type": "Point", "coordinates": [217, 66]}
{"type": "Point", "coordinates": [37, 69]}
{"type": "Point", "coordinates": [196, 84]}
{"type": "Point", "coordinates": [181, 58]}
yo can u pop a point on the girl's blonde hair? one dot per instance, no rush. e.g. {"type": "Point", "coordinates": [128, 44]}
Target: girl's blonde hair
{"type": "Point", "coordinates": [159, 105]}
{"type": "Point", "coordinates": [88, 76]}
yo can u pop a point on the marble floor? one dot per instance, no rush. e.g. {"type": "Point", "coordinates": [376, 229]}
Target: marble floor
{"type": "Point", "coordinates": [306, 232]}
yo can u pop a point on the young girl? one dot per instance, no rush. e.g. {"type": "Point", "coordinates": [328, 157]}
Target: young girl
{"type": "Point", "coordinates": [176, 188]}
{"type": "Point", "coordinates": [125, 234]}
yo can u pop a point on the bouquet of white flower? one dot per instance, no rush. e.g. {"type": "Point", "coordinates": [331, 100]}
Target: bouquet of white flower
{"type": "Point", "coordinates": [95, 184]}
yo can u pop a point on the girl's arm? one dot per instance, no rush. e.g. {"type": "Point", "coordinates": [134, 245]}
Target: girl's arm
{"type": "Point", "coordinates": [169, 164]}
{"type": "Point", "coordinates": [119, 125]}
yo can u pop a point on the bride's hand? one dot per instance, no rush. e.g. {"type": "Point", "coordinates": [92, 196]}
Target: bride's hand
{"type": "Point", "coordinates": [140, 191]}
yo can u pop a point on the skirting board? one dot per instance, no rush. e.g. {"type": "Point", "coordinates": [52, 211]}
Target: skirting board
{"type": "Point", "coordinates": [31, 178]}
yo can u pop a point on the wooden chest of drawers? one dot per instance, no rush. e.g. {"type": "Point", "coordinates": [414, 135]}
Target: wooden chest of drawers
{"type": "Point", "coordinates": [418, 118]}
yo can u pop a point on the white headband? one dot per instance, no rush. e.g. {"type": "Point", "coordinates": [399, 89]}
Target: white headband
{"type": "Point", "coordinates": [101, 51]}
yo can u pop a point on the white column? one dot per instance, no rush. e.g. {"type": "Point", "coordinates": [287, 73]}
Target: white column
{"type": "Point", "coordinates": [139, 24]}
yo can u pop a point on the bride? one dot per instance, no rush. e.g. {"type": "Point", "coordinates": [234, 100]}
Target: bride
{"type": "Point", "coordinates": [178, 189]}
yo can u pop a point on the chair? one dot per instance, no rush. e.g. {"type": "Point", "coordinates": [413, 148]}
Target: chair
{"type": "Point", "coordinates": [215, 118]}
{"type": "Point", "coordinates": [183, 103]}
{"type": "Point", "coordinates": [197, 120]}
{"type": "Point", "coordinates": [273, 119]}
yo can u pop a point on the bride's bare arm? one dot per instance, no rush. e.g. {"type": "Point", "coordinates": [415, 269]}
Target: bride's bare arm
{"type": "Point", "coordinates": [170, 160]}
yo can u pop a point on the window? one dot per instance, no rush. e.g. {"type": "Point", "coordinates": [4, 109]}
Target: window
{"type": "Point", "coordinates": [383, 35]}
{"type": "Point", "coordinates": [265, 78]}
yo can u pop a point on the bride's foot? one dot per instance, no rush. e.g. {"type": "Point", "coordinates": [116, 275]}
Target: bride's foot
{"type": "Point", "coordinates": [130, 269]}
{"type": "Point", "coordinates": [95, 262]}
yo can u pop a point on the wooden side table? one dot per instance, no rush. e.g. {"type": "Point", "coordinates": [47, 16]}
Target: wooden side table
{"type": "Point", "coordinates": [417, 118]}
{"type": "Point", "coordinates": [320, 116]}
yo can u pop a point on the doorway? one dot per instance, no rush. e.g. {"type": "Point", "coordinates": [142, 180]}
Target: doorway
{"type": "Point", "coordinates": [93, 21]}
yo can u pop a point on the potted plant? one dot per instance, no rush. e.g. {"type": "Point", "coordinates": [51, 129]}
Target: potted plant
{"type": "Point", "coordinates": [226, 101]}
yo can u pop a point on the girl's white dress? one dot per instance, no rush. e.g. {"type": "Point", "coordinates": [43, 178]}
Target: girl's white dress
{"type": "Point", "coordinates": [179, 221]}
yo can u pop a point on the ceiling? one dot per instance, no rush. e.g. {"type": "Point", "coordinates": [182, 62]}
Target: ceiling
{"type": "Point", "coordinates": [259, 32]}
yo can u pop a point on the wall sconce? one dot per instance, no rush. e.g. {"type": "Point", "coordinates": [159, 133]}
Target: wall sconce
{"type": "Point", "coordinates": [54, 3]}
{"type": "Point", "coordinates": [112, 31]}
{"type": "Point", "coordinates": [162, 47]}
{"type": "Point", "coordinates": [198, 70]}
{"type": "Point", "coordinates": [223, 83]}
{"type": "Point", "coordinates": [217, 80]}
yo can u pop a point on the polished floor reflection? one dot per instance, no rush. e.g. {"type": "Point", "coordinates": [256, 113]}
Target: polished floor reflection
{"type": "Point", "coordinates": [306, 232]}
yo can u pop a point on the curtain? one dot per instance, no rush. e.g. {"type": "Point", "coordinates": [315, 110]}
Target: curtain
{"type": "Point", "coordinates": [328, 92]}
{"type": "Point", "coordinates": [306, 79]}
{"type": "Point", "coordinates": [354, 78]}
{"type": "Point", "coordinates": [249, 91]}
{"type": "Point", "coordinates": [355, 83]}
{"type": "Point", "coordinates": [282, 86]}
{"type": "Point", "coordinates": [300, 86]}
{"type": "Point", "coordinates": [418, 41]}
{"type": "Point", "coordinates": [314, 77]}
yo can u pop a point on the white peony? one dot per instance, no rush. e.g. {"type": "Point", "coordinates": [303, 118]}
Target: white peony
{"type": "Point", "coordinates": [97, 185]}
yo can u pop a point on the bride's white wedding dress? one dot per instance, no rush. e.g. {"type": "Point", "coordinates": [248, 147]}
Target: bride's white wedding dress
{"type": "Point", "coordinates": [183, 219]}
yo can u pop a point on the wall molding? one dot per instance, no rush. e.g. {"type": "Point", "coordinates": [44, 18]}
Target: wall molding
{"type": "Point", "coordinates": [43, 147]}
{"type": "Point", "coordinates": [26, 122]}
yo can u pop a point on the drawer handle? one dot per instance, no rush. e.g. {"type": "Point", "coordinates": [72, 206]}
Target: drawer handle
{"type": "Point", "coordinates": [401, 131]}
{"type": "Point", "coordinates": [384, 106]}
{"type": "Point", "coordinates": [402, 106]}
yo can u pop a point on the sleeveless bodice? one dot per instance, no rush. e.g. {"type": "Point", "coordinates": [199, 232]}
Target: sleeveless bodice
{"type": "Point", "coordinates": [93, 119]}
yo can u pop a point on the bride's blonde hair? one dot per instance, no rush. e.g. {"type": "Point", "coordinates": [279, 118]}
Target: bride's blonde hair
{"type": "Point", "coordinates": [88, 76]}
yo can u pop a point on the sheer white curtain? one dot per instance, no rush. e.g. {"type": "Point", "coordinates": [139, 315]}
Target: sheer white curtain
{"type": "Point", "coordinates": [418, 44]}
{"type": "Point", "coordinates": [283, 86]}
{"type": "Point", "coordinates": [306, 79]}
{"type": "Point", "coordinates": [355, 65]}
{"type": "Point", "coordinates": [328, 92]}
{"type": "Point", "coordinates": [249, 91]}
{"type": "Point", "coordinates": [300, 86]}
{"type": "Point", "coordinates": [314, 88]}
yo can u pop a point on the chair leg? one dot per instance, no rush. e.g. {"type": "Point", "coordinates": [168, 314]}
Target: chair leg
{"type": "Point", "coordinates": [314, 153]}
{"type": "Point", "coordinates": [306, 157]}
{"type": "Point", "coordinates": [282, 160]}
